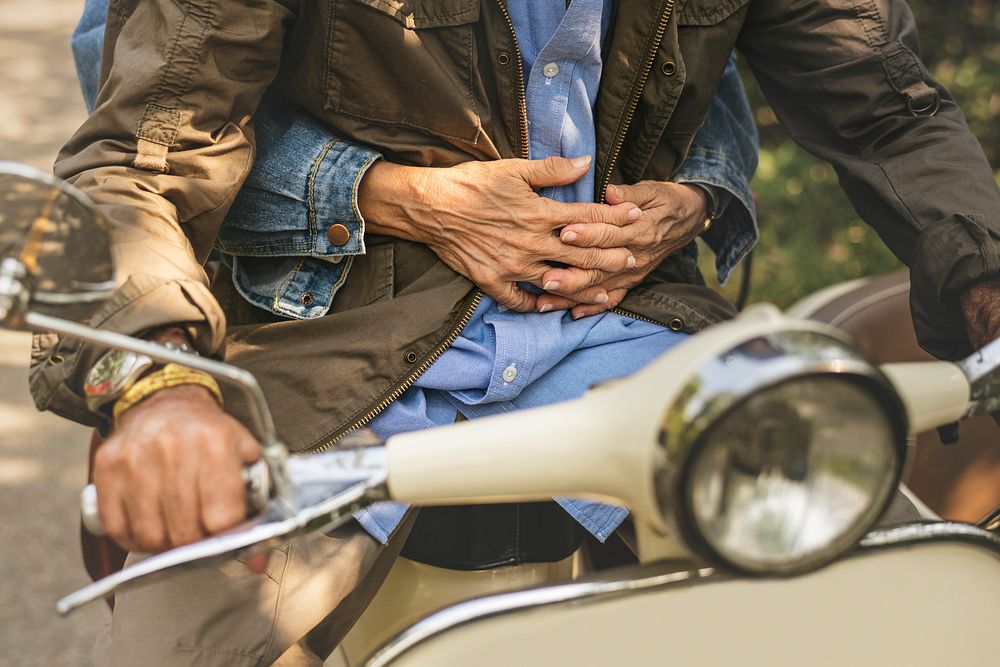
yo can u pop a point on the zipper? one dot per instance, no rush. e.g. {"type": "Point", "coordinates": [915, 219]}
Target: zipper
{"type": "Point", "coordinates": [522, 96]}
{"type": "Point", "coordinates": [390, 395]}
{"type": "Point", "coordinates": [636, 316]}
{"type": "Point", "coordinates": [633, 102]}
{"type": "Point", "coordinates": [393, 393]}
{"type": "Point", "coordinates": [386, 399]}
{"type": "Point", "coordinates": [619, 140]}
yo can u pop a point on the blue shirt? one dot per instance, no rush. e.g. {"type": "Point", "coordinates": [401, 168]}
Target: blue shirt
{"type": "Point", "coordinates": [503, 360]}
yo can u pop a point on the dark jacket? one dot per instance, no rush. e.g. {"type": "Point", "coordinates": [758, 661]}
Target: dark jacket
{"type": "Point", "coordinates": [438, 82]}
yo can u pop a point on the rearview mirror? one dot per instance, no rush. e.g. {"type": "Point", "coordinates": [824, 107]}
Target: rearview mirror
{"type": "Point", "coordinates": [55, 249]}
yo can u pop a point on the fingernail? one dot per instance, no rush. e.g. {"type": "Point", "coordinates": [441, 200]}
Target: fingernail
{"type": "Point", "coordinates": [551, 286]}
{"type": "Point", "coordinates": [634, 214]}
{"type": "Point", "coordinates": [630, 262]}
{"type": "Point", "coordinates": [545, 308]}
{"type": "Point", "coordinates": [601, 298]}
{"type": "Point", "coordinates": [569, 237]}
{"type": "Point", "coordinates": [577, 316]}
{"type": "Point", "coordinates": [581, 161]}
{"type": "Point", "coordinates": [613, 191]}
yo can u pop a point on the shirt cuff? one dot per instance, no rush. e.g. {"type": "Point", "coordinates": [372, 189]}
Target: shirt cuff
{"type": "Point", "coordinates": [734, 233]}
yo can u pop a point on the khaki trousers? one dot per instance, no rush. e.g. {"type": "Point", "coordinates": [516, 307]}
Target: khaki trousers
{"type": "Point", "coordinates": [296, 613]}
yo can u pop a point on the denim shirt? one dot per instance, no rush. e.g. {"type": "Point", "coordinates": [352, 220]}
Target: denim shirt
{"type": "Point", "coordinates": [305, 180]}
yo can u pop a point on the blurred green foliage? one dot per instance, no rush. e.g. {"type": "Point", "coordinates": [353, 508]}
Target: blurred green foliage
{"type": "Point", "coordinates": [811, 237]}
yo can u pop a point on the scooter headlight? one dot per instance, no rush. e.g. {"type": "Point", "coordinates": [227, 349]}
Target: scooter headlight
{"type": "Point", "coordinates": [788, 455]}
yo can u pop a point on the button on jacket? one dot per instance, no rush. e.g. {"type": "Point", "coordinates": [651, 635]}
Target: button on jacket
{"type": "Point", "coordinates": [171, 142]}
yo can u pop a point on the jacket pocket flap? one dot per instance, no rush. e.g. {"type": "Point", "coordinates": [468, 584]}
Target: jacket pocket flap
{"type": "Point", "coordinates": [418, 14]}
{"type": "Point", "coordinates": [708, 12]}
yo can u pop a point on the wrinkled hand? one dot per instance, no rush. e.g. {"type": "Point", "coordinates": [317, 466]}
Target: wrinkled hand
{"type": "Point", "coordinates": [672, 216]}
{"type": "Point", "coordinates": [171, 473]}
{"type": "Point", "coordinates": [485, 220]}
{"type": "Point", "coordinates": [981, 309]}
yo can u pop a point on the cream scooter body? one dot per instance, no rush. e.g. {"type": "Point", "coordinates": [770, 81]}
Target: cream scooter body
{"type": "Point", "coordinates": [423, 470]}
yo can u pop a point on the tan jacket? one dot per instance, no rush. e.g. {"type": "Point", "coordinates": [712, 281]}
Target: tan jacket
{"type": "Point", "coordinates": [437, 82]}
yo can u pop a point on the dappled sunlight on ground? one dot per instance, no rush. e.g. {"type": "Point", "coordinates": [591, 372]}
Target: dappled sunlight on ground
{"type": "Point", "coordinates": [42, 457]}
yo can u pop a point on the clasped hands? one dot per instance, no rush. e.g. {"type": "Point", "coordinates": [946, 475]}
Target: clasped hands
{"type": "Point", "coordinates": [487, 222]}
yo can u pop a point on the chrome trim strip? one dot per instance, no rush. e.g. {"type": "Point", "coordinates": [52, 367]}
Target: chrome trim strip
{"type": "Point", "coordinates": [649, 578]}
{"type": "Point", "coordinates": [929, 532]}
{"type": "Point", "coordinates": [991, 521]}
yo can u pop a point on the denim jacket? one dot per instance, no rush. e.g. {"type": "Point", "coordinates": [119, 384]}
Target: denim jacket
{"type": "Point", "coordinates": [305, 180]}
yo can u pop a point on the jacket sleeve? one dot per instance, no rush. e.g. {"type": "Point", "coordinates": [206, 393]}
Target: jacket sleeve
{"type": "Point", "coordinates": [724, 155]}
{"type": "Point", "coordinates": [845, 79]}
{"type": "Point", "coordinates": [162, 156]}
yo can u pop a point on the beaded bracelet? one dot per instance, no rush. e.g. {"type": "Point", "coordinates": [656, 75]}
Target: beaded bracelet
{"type": "Point", "coordinates": [171, 375]}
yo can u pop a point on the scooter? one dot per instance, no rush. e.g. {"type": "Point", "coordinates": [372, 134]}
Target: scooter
{"type": "Point", "coordinates": [756, 458]}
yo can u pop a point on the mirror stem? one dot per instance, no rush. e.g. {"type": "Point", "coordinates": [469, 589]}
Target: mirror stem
{"type": "Point", "coordinates": [274, 451]}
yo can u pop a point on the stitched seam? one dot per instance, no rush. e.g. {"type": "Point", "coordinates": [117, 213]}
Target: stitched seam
{"type": "Point", "coordinates": [280, 289]}
{"type": "Point", "coordinates": [311, 195]}
{"type": "Point", "coordinates": [355, 208]}
{"type": "Point", "coordinates": [277, 603]}
{"type": "Point", "coordinates": [902, 202]}
{"type": "Point", "coordinates": [220, 651]}
{"type": "Point", "coordinates": [868, 13]}
{"type": "Point", "coordinates": [406, 123]}
{"type": "Point", "coordinates": [386, 8]}
{"type": "Point", "coordinates": [179, 78]}
{"type": "Point", "coordinates": [328, 59]}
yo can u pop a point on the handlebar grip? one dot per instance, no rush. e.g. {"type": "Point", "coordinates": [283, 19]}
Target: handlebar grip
{"type": "Point", "coordinates": [256, 479]}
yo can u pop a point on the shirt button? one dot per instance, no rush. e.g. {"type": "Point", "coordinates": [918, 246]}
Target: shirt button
{"type": "Point", "coordinates": [509, 374]}
{"type": "Point", "coordinates": [307, 298]}
{"type": "Point", "coordinates": [550, 70]}
{"type": "Point", "coordinates": [338, 235]}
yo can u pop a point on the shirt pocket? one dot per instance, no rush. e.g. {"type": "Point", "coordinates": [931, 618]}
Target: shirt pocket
{"type": "Point", "coordinates": [407, 63]}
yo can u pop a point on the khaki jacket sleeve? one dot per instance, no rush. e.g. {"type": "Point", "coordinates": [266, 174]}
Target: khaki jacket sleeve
{"type": "Point", "coordinates": [845, 79]}
{"type": "Point", "coordinates": [163, 155]}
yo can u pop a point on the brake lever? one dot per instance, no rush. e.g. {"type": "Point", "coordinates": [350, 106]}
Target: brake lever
{"type": "Point", "coordinates": [328, 488]}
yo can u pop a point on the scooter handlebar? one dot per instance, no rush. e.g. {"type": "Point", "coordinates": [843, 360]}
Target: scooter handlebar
{"type": "Point", "coordinates": [256, 479]}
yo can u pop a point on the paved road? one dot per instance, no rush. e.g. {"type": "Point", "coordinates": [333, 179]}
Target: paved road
{"type": "Point", "coordinates": [42, 457]}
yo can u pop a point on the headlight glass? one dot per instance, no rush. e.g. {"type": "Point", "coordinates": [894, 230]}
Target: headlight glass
{"type": "Point", "coordinates": [793, 475]}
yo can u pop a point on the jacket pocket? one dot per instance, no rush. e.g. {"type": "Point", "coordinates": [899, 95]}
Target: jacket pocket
{"type": "Point", "coordinates": [708, 12]}
{"type": "Point", "coordinates": [407, 63]}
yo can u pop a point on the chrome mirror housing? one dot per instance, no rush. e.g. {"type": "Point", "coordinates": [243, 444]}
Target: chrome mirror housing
{"type": "Point", "coordinates": [55, 250]}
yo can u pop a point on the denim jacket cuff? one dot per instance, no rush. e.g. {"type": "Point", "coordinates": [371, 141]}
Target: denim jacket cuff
{"type": "Point", "coordinates": [734, 234]}
{"type": "Point", "coordinates": [333, 198]}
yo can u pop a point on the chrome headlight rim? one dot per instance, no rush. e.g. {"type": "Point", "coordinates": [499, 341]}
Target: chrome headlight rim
{"type": "Point", "coordinates": [704, 404]}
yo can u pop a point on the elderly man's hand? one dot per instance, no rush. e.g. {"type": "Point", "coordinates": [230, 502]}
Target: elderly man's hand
{"type": "Point", "coordinates": [487, 222]}
{"type": "Point", "coordinates": [672, 216]}
{"type": "Point", "coordinates": [171, 473]}
{"type": "Point", "coordinates": [981, 309]}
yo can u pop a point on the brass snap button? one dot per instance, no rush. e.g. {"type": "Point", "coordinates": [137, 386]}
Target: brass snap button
{"type": "Point", "coordinates": [307, 298]}
{"type": "Point", "coordinates": [503, 58]}
{"type": "Point", "coordinates": [669, 68]}
{"type": "Point", "coordinates": [410, 356]}
{"type": "Point", "coordinates": [676, 324]}
{"type": "Point", "coordinates": [338, 234]}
